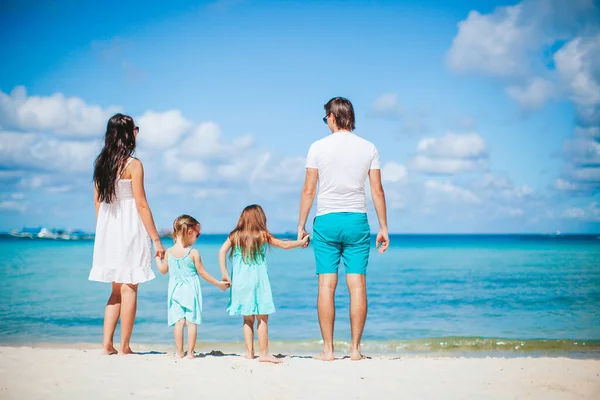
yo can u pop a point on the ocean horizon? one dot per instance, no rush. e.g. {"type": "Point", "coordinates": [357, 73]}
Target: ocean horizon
{"type": "Point", "coordinates": [429, 293]}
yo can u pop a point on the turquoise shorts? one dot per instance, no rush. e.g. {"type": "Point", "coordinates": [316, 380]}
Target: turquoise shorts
{"type": "Point", "coordinates": [341, 236]}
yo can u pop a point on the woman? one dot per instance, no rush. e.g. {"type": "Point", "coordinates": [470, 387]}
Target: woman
{"type": "Point", "coordinates": [122, 251]}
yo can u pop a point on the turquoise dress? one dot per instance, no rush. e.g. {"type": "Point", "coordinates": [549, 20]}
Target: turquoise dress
{"type": "Point", "coordinates": [185, 294]}
{"type": "Point", "coordinates": [250, 292]}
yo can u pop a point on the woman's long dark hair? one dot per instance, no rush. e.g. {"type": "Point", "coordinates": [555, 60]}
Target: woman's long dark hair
{"type": "Point", "coordinates": [119, 145]}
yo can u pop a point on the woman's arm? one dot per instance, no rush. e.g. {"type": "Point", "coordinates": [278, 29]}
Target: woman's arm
{"type": "Point", "coordinates": [96, 200]}
{"type": "Point", "coordinates": [139, 194]}
{"type": "Point", "coordinates": [223, 259]}
{"type": "Point", "coordinates": [163, 265]}
{"type": "Point", "coordinates": [204, 273]}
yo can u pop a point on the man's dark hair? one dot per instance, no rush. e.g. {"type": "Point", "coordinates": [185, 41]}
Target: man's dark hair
{"type": "Point", "coordinates": [343, 112]}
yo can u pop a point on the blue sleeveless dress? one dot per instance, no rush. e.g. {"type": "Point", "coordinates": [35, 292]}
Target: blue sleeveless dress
{"type": "Point", "coordinates": [185, 294]}
{"type": "Point", "coordinates": [250, 292]}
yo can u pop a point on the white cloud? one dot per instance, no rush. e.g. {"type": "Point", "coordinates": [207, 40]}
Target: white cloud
{"type": "Point", "coordinates": [64, 116]}
{"type": "Point", "coordinates": [393, 172]}
{"type": "Point", "coordinates": [591, 213]}
{"type": "Point", "coordinates": [532, 96]}
{"type": "Point", "coordinates": [31, 150]}
{"type": "Point", "coordinates": [452, 191]}
{"type": "Point", "coordinates": [161, 129]}
{"type": "Point", "coordinates": [565, 185]}
{"type": "Point", "coordinates": [445, 165]}
{"type": "Point", "coordinates": [450, 154]}
{"type": "Point", "coordinates": [453, 145]}
{"type": "Point", "coordinates": [387, 106]}
{"type": "Point", "coordinates": [578, 63]}
{"type": "Point", "coordinates": [494, 44]}
{"type": "Point", "coordinates": [11, 205]}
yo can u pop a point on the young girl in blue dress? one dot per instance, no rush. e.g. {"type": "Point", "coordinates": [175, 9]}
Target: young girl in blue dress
{"type": "Point", "coordinates": [250, 293]}
{"type": "Point", "coordinates": [184, 265]}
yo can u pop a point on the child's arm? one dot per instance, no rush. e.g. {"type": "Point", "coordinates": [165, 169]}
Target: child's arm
{"type": "Point", "coordinates": [288, 244]}
{"type": "Point", "coordinates": [204, 274]}
{"type": "Point", "coordinates": [96, 200]}
{"type": "Point", "coordinates": [163, 265]}
{"type": "Point", "coordinates": [223, 259]}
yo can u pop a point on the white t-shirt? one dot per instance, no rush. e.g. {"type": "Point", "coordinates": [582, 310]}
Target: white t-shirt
{"type": "Point", "coordinates": [344, 161]}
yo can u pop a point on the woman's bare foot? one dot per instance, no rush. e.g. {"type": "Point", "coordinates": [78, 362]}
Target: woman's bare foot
{"type": "Point", "coordinates": [325, 356]}
{"type": "Point", "coordinates": [180, 354]}
{"type": "Point", "coordinates": [268, 358]}
{"type": "Point", "coordinates": [109, 351]}
{"type": "Point", "coordinates": [190, 355]}
{"type": "Point", "coordinates": [249, 356]}
{"type": "Point", "coordinates": [356, 355]}
{"type": "Point", "coordinates": [126, 350]}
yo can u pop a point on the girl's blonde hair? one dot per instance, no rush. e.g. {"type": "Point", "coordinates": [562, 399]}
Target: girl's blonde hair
{"type": "Point", "coordinates": [250, 233]}
{"type": "Point", "coordinates": [181, 226]}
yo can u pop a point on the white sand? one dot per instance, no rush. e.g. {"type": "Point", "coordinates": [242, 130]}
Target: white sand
{"type": "Point", "coordinates": [70, 373]}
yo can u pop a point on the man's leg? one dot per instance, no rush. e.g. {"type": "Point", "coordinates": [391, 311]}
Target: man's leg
{"type": "Point", "coordinates": [326, 311]}
{"type": "Point", "coordinates": [327, 258]}
{"type": "Point", "coordinates": [357, 287]}
{"type": "Point", "coordinates": [356, 249]}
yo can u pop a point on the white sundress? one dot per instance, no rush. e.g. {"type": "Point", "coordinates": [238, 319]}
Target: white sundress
{"type": "Point", "coordinates": [122, 249]}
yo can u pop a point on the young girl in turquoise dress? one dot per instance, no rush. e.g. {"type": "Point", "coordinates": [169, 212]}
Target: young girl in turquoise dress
{"type": "Point", "coordinates": [250, 293]}
{"type": "Point", "coordinates": [184, 265]}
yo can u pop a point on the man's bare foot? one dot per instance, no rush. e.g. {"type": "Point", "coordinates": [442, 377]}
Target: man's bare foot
{"type": "Point", "coordinates": [268, 358]}
{"type": "Point", "coordinates": [356, 355]}
{"type": "Point", "coordinates": [109, 351]}
{"type": "Point", "coordinates": [190, 355]}
{"type": "Point", "coordinates": [249, 356]}
{"type": "Point", "coordinates": [180, 354]}
{"type": "Point", "coordinates": [325, 356]}
{"type": "Point", "coordinates": [126, 350]}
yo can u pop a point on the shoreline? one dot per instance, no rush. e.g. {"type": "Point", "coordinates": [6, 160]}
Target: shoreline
{"type": "Point", "coordinates": [237, 349]}
{"type": "Point", "coordinates": [155, 375]}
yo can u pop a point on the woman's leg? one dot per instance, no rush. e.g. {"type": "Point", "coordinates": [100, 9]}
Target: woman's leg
{"type": "Point", "coordinates": [128, 310]}
{"type": "Point", "coordinates": [263, 340]}
{"type": "Point", "coordinates": [111, 317]}
{"type": "Point", "coordinates": [192, 330]}
{"type": "Point", "coordinates": [249, 335]}
{"type": "Point", "coordinates": [179, 337]}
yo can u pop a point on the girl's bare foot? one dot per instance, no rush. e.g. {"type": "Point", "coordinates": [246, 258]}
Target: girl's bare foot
{"type": "Point", "coordinates": [126, 350]}
{"type": "Point", "coordinates": [268, 358]}
{"type": "Point", "coordinates": [249, 356]}
{"type": "Point", "coordinates": [109, 351]}
{"type": "Point", "coordinates": [180, 354]}
{"type": "Point", "coordinates": [323, 356]}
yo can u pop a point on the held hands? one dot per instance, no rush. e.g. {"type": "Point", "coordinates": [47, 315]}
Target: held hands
{"type": "Point", "coordinates": [303, 237]}
{"type": "Point", "coordinates": [159, 249]}
{"type": "Point", "coordinates": [223, 285]}
{"type": "Point", "coordinates": [383, 241]}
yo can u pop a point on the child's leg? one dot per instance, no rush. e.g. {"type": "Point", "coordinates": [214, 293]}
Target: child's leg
{"type": "Point", "coordinates": [249, 335]}
{"type": "Point", "coordinates": [111, 317]}
{"type": "Point", "coordinates": [128, 310]}
{"type": "Point", "coordinates": [179, 337]}
{"type": "Point", "coordinates": [192, 332]}
{"type": "Point", "coordinates": [263, 340]}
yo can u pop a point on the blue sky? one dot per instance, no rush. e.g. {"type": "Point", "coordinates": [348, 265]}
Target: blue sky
{"type": "Point", "coordinates": [486, 114]}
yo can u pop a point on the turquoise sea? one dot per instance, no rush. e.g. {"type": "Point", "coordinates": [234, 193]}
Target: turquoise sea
{"type": "Point", "coordinates": [518, 294]}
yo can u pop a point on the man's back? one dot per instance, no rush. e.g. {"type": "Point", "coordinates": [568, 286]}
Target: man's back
{"type": "Point", "coordinates": [343, 160]}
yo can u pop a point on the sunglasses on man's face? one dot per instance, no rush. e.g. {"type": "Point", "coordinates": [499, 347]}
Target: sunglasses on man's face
{"type": "Point", "coordinates": [325, 118]}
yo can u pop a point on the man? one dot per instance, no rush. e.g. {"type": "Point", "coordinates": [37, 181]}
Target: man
{"type": "Point", "coordinates": [341, 163]}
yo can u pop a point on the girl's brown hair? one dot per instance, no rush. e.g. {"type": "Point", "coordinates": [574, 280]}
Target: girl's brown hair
{"type": "Point", "coordinates": [181, 226]}
{"type": "Point", "coordinates": [250, 233]}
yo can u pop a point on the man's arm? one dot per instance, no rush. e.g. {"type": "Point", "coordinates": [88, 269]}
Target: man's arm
{"type": "Point", "coordinates": [308, 197]}
{"type": "Point", "coordinates": [378, 196]}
